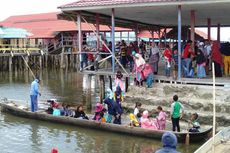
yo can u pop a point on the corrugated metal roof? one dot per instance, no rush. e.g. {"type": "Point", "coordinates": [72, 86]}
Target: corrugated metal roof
{"type": "Point", "coordinates": [14, 33]}
{"type": "Point", "coordinates": [89, 3]}
{"type": "Point", "coordinates": [47, 25]}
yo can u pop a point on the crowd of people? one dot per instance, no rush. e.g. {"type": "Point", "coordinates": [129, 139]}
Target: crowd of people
{"type": "Point", "coordinates": [196, 58]}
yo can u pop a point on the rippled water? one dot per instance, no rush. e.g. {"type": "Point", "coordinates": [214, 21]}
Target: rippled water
{"type": "Point", "coordinates": [29, 136]}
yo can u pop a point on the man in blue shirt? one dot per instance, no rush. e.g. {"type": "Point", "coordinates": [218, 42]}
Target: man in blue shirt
{"type": "Point", "coordinates": [34, 92]}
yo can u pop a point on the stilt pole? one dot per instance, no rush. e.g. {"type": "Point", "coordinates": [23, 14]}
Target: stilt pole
{"type": "Point", "coordinates": [113, 39]}
{"type": "Point", "coordinates": [179, 42]}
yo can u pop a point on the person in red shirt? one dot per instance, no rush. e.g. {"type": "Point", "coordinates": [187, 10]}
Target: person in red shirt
{"type": "Point", "coordinates": [187, 58]}
{"type": "Point", "coordinates": [168, 59]}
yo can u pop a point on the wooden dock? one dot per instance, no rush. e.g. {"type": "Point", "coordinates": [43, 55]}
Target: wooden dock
{"type": "Point", "coordinates": [222, 82]}
{"type": "Point", "coordinates": [221, 143]}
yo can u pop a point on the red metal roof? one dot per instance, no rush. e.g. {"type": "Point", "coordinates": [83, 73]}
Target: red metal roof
{"type": "Point", "coordinates": [89, 3]}
{"type": "Point", "coordinates": [47, 25]}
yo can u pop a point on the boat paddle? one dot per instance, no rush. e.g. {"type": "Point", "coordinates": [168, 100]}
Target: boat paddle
{"type": "Point", "coordinates": [187, 138]}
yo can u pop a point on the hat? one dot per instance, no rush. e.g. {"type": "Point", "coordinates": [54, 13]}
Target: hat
{"type": "Point", "coordinates": [145, 114]}
{"type": "Point", "coordinates": [133, 53]}
{"type": "Point", "coordinates": [99, 107]}
{"type": "Point", "coordinates": [201, 44]}
{"type": "Point", "coordinates": [54, 150]}
{"type": "Point", "coordinates": [169, 139]}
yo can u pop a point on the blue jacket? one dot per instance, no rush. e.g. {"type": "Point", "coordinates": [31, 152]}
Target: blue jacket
{"type": "Point", "coordinates": [34, 87]}
{"type": "Point", "coordinates": [113, 108]}
{"type": "Point", "coordinates": [169, 141]}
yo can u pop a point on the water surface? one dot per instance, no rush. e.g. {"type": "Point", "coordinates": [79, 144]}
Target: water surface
{"type": "Point", "coordinates": [30, 136]}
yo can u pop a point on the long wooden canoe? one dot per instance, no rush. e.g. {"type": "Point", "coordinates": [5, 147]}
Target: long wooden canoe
{"type": "Point", "coordinates": [123, 129]}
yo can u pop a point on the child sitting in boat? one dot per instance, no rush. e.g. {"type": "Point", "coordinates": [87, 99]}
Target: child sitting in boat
{"type": "Point", "coordinates": [195, 123]}
{"type": "Point", "coordinates": [137, 108]}
{"type": "Point", "coordinates": [146, 122]}
{"type": "Point", "coordinates": [79, 113]}
{"type": "Point", "coordinates": [98, 111]}
{"type": "Point", "coordinates": [53, 104]}
{"type": "Point", "coordinates": [102, 115]}
{"type": "Point", "coordinates": [67, 111]}
{"type": "Point", "coordinates": [161, 118]}
{"type": "Point", "coordinates": [133, 120]}
{"type": "Point", "coordinates": [58, 111]}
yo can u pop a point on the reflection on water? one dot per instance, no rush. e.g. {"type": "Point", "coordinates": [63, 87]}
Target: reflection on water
{"type": "Point", "coordinates": [30, 136]}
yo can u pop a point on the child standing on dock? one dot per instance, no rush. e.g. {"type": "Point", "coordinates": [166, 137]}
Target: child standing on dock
{"type": "Point", "coordinates": [119, 83]}
{"type": "Point", "coordinates": [177, 112]}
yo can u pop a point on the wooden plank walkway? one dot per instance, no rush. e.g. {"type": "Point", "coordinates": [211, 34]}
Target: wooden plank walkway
{"type": "Point", "coordinates": [221, 145]}
{"type": "Point", "coordinates": [224, 81]}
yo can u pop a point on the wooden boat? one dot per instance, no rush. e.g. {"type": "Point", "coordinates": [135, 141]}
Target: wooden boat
{"type": "Point", "coordinates": [10, 107]}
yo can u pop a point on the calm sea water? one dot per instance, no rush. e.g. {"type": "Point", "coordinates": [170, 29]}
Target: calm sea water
{"type": "Point", "coordinates": [29, 136]}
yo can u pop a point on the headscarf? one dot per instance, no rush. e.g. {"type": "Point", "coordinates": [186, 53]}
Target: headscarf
{"type": "Point", "coordinates": [200, 57]}
{"type": "Point", "coordinates": [169, 140]}
{"type": "Point", "coordinates": [216, 55]}
{"type": "Point", "coordinates": [139, 60]}
{"type": "Point", "coordinates": [109, 93]}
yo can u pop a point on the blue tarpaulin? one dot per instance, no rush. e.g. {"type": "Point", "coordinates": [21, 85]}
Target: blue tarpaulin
{"type": "Point", "coordinates": [6, 32]}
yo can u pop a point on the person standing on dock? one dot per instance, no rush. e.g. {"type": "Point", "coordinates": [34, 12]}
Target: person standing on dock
{"type": "Point", "coordinates": [34, 92]}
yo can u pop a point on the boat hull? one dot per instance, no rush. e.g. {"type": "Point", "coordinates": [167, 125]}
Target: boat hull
{"type": "Point", "coordinates": [122, 129]}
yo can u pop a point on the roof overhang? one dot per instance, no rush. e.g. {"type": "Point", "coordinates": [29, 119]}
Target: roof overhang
{"type": "Point", "coordinates": [161, 13]}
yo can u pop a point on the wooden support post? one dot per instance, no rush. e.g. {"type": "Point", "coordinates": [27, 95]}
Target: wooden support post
{"type": "Point", "coordinates": [40, 62]}
{"type": "Point", "coordinates": [46, 60]}
{"type": "Point", "coordinates": [113, 39]}
{"type": "Point", "coordinates": [102, 87]}
{"type": "Point", "coordinates": [62, 59]}
{"type": "Point", "coordinates": [192, 20]}
{"type": "Point", "coordinates": [16, 65]}
{"type": "Point", "coordinates": [110, 82]}
{"type": "Point", "coordinates": [179, 42]}
{"type": "Point", "coordinates": [209, 29]}
{"type": "Point", "coordinates": [72, 61]}
{"type": "Point", "coordinates": [77, 62]}
{"type": "Point", "coordinates": [67, 61]}
{"type": "Point", "coordinates": [136, 32]}
{"type": "Point", "coordinates": [79, 35]}
{"type": "Point", "coordinates": [10, 63]}
{"type": "Point", "coordinates": [218, 33]}
{"type": "Point", "coordinates": [26, 60]}
{"type": "Point", "coordinates": [126, 84]}
{"type": "Point", "coordinates": [98, 30]}
{"type": "Point", "coordinates": [89, 100]}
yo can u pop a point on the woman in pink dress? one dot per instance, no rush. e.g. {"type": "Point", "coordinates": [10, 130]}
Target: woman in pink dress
{"type": "Point", "coordinates": [146, 122]}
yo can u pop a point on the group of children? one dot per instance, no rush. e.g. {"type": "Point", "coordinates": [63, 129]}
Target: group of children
{"type": "Point", "coordinates": [137, 118]}
{"type": "Point", "coordinates": [143, 120]}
